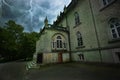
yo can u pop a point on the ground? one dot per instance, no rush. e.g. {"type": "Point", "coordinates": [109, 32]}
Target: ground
{"type": "Point", "coordinates": [12, 71]}
{"type": "Point", "coordinates": [68, 71]}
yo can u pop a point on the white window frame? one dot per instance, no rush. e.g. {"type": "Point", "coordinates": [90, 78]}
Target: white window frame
{"type": "Point", "coordinates": [79, 39]}
{"type": "Point", "coordinates": [81, 57]}
{"type": "Point", "coordinates": [114, 28]}
{"type": "Point", "coordinates": [77, 19]}
{"type": "Point", "coordinates": [58, 43]}
{"type": "Point", "coordinates": [107, 2]}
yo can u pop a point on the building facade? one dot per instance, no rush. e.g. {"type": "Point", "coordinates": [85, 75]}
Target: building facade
{"type": "Point", "coordinates": [87, 30]}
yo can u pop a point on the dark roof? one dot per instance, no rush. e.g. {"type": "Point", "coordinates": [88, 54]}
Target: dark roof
{"type": "Point", "coordinates": [66, 10]}
{"type": "Point", "coordinates": [58, 28]}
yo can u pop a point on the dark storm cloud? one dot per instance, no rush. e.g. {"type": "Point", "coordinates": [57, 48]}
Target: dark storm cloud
{"type": "Point", "coordinates": [31, 13]}
{"type": "Point", "coordinates": [46, 5]}
{"type": "Point", "coordinates": [14, 7]}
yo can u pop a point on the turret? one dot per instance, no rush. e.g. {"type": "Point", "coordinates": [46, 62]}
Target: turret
{"type": "Point", "coordinates": [65, 9]}
{"type": "Point", "coordinates": [46, 22]}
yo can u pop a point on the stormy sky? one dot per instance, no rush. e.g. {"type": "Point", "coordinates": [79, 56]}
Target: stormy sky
{"type": "Point", "coordinates": [31, 13]}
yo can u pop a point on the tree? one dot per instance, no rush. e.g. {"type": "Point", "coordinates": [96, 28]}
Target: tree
{"type": "Point", "coordinates": [29, 44]}
{"type": "Point", "coordinates": [11, 35]}
{"type": "Point", "coordinates": [16, 44]}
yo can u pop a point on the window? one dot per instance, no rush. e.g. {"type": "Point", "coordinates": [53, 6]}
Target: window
{"type": "Point", "coordinates": [118, 54]}
{"type": "Point", "coordinates": [64, 45]}
{"type": "Point", "coordinates": [106, 2]}
{"type": "Point", "coordinates": [77, 20]}
{"type": "Point", "coordinates": [79, 39]}
{"type": "Point", "coordinates": [53, 44]}
{"type": "Point", "coordinates": [58, 42]}
{"type": "Point", "coordinates": [81, 56]}
{"type": "Point", "coordinates": [115, 28]}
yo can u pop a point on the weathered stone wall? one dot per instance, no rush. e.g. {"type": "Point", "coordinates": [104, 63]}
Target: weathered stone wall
{"type": "Point", "coordinates": [98, 45]}
{"type": "Point", "coordinates": [102, 15]}
{"type": "Point", "coordinates": [44, 44]}
{"type": "Point", "coordinates": [92, 56]}
{"type": "Point", "coordinates": [53, 58]}
{"type": "Point", "coordinates": [95, 30]}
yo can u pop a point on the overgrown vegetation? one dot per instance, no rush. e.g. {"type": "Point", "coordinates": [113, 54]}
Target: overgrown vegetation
{"type": "Point", "coordinates": [16, 44]}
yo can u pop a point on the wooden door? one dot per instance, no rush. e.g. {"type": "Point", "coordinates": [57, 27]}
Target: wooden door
{"type": "Point", "coordinates": [60, 57]}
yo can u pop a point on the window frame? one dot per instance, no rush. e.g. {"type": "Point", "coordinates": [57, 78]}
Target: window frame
{"type": "Point", "coordinates": [79, 39]}
{"type": "Point", "coordinates": [77, 18]}
{"type": "Point", "coordinates": [113, 28]}
{"type": "Point", "coordinates": [103, 6]}
{"type": "Point", "coordinates": [58, 42]}
{"type": "Point", "coordinates": [118, 55]}
{"type": "Point", "coordinates": [81, 57]}
{"type": "Point", "coordinates": [107, 2]}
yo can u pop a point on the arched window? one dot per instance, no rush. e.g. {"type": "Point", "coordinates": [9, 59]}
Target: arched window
{"type": "Point", "coordinates": [115, 27]}
{"type": "Point", "coordinates": [77, 20]}
{"type": "Point", "coordinates": [58, 42]}
{"type": "Point", "coordinates": [79, 39]}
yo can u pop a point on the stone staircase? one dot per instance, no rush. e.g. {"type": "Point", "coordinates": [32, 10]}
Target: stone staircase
{"type": "Point", "coordinates": [31, 65]}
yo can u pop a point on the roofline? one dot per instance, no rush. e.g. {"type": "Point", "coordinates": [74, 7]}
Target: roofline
{"type": "Point", "coordinates": [66, 10]}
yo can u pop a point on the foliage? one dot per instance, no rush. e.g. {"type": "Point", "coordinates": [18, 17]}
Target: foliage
{"type": "Point", "coordinates": [28, 44]}
{"type": "Point", "coordinates": [16, 44]}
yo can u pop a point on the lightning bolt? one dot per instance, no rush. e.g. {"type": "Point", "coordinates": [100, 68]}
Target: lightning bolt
{"type": "Point", "coordinates": [0, 3]}
{"type": "Point", "coordinates": [26, 12]}
{"type": "Point", "coordinates": [31, 15]}
{"type": "Point", "coordinates": [3, 1]}
{"type": "Point", "coordinates": [0, 8]}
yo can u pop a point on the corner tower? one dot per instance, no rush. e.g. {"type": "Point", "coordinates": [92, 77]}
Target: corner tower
{"type": "Point", "coordinates": [46, 22]}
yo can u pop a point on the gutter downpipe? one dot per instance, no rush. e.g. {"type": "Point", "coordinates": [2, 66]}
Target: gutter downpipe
{"type": "Point", "coordinates": [95, 27]}
{"type": "Point", "coordinates": [68, 36]}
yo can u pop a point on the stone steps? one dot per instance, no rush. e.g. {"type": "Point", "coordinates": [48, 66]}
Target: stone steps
{"type": "Point", "coordinates": [31, 65]}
